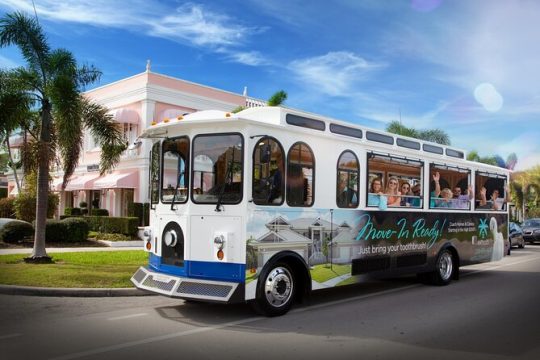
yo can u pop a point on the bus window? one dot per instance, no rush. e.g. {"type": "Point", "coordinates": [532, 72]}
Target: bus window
{"type": "Point", "coordinates": [217, 169]}
{"type": "Point", "coordinates": [492, 192]}
{"type": "Point", "coordinates": [300, 175]}
{"type": "Point", "coordinates": [154, 173]}
{"type": "Point", "coordinates": [268, 184]}
{"type": "Point", "coordinates": [174, 177]}
{"type": "Point", "coordinates": [347, 180]}
{"type": "Point", "coordinates": [450, 187]}
{"type": "Point", "coordinates": [395, 181]}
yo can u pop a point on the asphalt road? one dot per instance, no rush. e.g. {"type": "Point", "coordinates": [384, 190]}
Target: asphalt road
{"type": "Point", "coordinates": [492, 312]}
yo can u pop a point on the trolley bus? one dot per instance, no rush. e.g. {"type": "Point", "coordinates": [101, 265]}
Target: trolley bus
{"type": "Point", "coordinates": [269, 204]}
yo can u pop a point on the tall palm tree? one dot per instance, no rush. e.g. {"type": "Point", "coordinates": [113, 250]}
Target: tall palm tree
{"type": "Point", "coordinates": [433, 135]}
{"type": "Point", "coordinates": [15, 105]}
{"type": "Point", "coordinates": [54, 81]}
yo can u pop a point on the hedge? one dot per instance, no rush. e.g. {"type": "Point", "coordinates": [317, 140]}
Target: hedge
{"type": "Point", "coordinates": [15, 231]}
{"type": "Point", "coordinates": [141, 211]}
{"type": "Point", "coordinates": [67, 230]}
{"type": "Point", "coordinates": [3, 192]}
{"type": "Point", "coordinates": [99, 212]}
{"type": "Point", "coordinates": [7, 209]}
{"type": "Point", "coordinates": [105, 224]}
{"type": "Point", "coordinates": [72, 211]}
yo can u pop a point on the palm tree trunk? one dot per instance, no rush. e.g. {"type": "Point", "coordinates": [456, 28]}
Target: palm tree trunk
{"type": "Point", "coordinates": [39, 251]}
{"type": "Point", "coordinates": [13, 165]}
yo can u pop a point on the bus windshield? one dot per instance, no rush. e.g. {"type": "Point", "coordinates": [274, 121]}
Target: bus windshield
{"type": "Point", "coordinates": [217, 169]}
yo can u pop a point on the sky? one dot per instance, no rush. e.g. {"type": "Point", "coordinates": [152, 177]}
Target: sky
{"type": "Point", "coordinates": [468, 67]}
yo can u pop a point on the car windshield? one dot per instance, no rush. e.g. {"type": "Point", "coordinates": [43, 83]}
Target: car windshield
{"type": "Point", "coordinates": [532, 223]}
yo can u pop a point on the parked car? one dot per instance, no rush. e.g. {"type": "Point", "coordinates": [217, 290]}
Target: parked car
{"type": "Point", "coordinates": [516, 236]}
{"type": "Point", "coordinates": [531, 230]}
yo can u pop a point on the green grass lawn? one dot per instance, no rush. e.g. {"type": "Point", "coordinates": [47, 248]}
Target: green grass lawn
{"type": "Point", "coordinates": [322, 273]}
{"type": "Point", "coordinates": [107, 269]}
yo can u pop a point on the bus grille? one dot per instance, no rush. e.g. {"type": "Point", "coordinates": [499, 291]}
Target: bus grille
{"type": "Point", "coordinates": [203, 289]}
{"type": "Point", "coordinates": [177, 286]}
{"type": "Point", "coordinates": [161, 285]}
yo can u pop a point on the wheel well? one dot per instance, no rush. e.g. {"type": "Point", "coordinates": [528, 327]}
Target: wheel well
{"type": "Point", "coordinates": [300, 270]}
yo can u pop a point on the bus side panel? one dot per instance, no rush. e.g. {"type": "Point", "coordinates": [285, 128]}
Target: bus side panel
{"type": "Point", "coordinates": [340, 244]}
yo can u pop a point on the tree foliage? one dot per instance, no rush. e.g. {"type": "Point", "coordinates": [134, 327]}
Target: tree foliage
{"type": "Point", "coordinates": [434, 135]}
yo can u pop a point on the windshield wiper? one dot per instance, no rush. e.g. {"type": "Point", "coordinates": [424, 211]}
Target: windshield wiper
{"type": "Point", "coordinates": [176, 188]}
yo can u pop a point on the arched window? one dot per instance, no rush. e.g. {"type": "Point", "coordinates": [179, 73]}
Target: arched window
{"type": "Point", "coordinates": [347, 180]}
{"type": "Point", "coordinates": [268, 186]}
{"type": "Point", "coordinates": [300, 175]}
{"type": "Point", "coordinates": [174, 175]}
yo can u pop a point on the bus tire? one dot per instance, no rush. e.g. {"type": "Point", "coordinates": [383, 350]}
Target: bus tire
{"type": "Point", "coordinates": [276, 290]}
{"type": "Point", "coordinates": [444, 268]}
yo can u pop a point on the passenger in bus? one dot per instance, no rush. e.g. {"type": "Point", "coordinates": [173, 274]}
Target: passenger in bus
{"type": "Point", "coordinates": [445, 200]}
{"type": "Point", "coordinates": [406, 190]}
{"type": "Point", "coordinates": [417, 193]}
{"type": "Point", "coordinates": [437, 191]}
{"type": "Point", "coordinates": [376, 196]}
{"type": "Point", "coordinates": [347, 197]}
{"type": "Point", "coordinates": [394, 195]}
{"type": "Point", "coordinates": [275, 184]}
{"type": "Point", "coordinates": [461, 201]}
{"type": "Point", "coordinates": [495, 202]}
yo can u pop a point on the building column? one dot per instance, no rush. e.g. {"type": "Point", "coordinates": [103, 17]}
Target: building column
{"type": "Point", "coordinates": [148, 108]}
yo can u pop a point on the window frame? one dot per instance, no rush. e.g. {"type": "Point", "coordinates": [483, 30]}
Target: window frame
{"type": "Point", "coordinates": [348, 171]}
{"type": "Point", "coordinates": [187, 171]}
{"type": "Point", "coordinates": [152, 202]}
{"type": "Point", "coordinates": [283, 181]}
{"type": "Point", "coordinates": [192, 170]}
{"type": "Point", "coordinates": [457, 169]}
{"type": "Point", "coordinates": [313, 176]}
{"type": "Point", "coordinates": [493, 175]}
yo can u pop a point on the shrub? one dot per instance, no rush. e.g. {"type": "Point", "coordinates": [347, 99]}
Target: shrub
{"type": "Point", "coordinates": [25, 206]}
{"type": "Point", "coordinates": [84, 211]}
{"type": "Point", "coordinates": [7, 210]}
{"type": "Point", "coordinates": [112, 237]}
{"type": "Point", "coordinates": [83, 204]}
{"type": "Point", "coordinates": [95, 203]}
{"type": "Point", "coordinates": [72, 211]}
{"type": "Point", "coordinates": [141, 211]}
{"type": "Point", "coordinates": [15, 231]}
{"type": "Point", "coordinates": [77, 228]}
{"type": "Point", "coordinates": [3, 192]}
{"type": "Point", "coordinates": [117, 225]}
{"type": "Point", "coordinates": [55, 231]}
{"type": "Point", "coordinates": [99, 212]}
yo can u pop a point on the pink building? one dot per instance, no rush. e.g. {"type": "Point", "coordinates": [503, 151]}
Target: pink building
{"type": "Point", "coordinates": [135, 103]}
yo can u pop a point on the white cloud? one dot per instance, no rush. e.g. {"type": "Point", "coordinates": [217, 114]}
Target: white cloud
{"type": "Point", "coordinates": [191, 24]}
{"type": "Point", "coordinates": [335, 73]}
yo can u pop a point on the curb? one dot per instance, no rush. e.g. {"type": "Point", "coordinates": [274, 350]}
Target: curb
{"type": "Point", "coordinates": [71, 292]}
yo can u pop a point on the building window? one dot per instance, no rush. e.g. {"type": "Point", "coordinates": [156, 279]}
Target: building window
{"type": "Point", "coordinates": [268, 184]}
{"type": "Point", "coordinates": [129, 133]}
{"type": "Point", "coordinates": [347, 180]}
{"type": "Point", "coordinates": [300, 175]}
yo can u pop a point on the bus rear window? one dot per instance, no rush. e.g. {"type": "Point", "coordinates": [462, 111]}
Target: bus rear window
{"type": "Point", "coordinates": [217, 169]}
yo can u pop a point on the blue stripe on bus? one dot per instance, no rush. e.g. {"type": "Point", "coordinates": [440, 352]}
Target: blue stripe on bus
{"type": "Point", "coordinates": [207, 270]}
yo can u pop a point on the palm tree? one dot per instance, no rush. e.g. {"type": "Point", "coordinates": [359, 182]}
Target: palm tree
{"type": "Point", "coordinates": [277, 99]}
{"type": "Point", "coordinates": [54, 81]}
{"type": "Point", "coordinates": [495, 160]}
{"type": "Point", "coordinates": [525, 188]}
{"type": "Point", "coordinates": [14, 109]}
{"type": "Point", "coordinates": [433, 135]}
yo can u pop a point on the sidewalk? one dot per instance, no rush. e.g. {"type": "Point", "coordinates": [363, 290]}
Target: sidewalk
{"type": "Point", "coordinates": [70, 292]}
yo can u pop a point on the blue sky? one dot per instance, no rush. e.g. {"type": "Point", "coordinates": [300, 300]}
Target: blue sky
{"type": "Point", "coordinates": [469, 67]}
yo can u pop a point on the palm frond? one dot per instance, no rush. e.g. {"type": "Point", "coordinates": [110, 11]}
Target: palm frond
{"type": "Point", "coordinates": [395, 127]}
{"type": "Point", "coordinates": [278, 98]}
{"type": "Point", "coordinates": [26, 33]}
{"type": "Point", "coordinates": [106, 131]}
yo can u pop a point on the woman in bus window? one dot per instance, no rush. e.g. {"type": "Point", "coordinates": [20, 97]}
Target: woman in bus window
{"type": "Point", "coordinates": [406, 190]}
{"type": "Point", "coordinates": [376, 196]}
{"type": "Point", "coordinates": [394, 195]}
{"type": "Point", "coordinates": [446, 199]}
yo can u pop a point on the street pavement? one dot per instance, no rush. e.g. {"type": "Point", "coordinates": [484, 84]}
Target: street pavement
{"type": "Point", "coordinates": [492, 312]}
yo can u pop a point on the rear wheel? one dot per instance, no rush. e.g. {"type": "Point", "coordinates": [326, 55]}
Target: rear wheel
{"type": "Point", "coordinates": [444, 268]}
{"type": "Point", "coordinates": [276, 290]}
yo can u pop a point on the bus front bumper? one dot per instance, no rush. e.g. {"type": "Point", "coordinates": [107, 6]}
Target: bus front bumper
{"type": "Point", "coordinates": [181, 287]}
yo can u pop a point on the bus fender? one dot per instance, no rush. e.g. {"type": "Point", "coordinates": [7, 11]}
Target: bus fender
{"type": "Point", "coordinates": [300, 268]}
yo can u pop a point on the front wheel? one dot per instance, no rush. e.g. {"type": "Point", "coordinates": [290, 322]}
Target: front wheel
{"type": "Point", "coordinates": [444, 268]}
{"type": "Point", "coordinates": [275, 290]}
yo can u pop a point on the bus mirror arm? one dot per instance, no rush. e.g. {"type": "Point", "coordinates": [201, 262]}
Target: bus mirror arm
{"type": "Point", "coordinates": [228, 180]}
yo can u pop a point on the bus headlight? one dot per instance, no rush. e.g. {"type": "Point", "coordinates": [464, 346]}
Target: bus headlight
{"type": "Point", "coordinates": [170, 238]}
{"type": "Point", "coordinates": [219, 240]}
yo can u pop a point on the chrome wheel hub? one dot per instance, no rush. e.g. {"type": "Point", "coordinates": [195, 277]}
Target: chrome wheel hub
{"type": "Point", "coordinates": [445, 266]}
{"type": "Point", "coordinates": [278, 287]}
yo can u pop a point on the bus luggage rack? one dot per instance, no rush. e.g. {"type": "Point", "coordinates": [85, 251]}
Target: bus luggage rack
{"type": "Point", "coordinates": [175, 286]}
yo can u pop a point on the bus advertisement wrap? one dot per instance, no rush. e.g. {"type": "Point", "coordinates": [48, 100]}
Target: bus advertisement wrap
{"type": "Point", "coordinates": [336, 245]}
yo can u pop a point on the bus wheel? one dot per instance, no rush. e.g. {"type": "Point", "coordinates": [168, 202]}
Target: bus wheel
{"type": "Point", "coordinates": [444, 268]}
{"type": "Point", "coordinates": [275, 290]}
